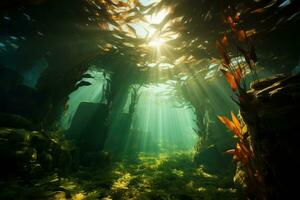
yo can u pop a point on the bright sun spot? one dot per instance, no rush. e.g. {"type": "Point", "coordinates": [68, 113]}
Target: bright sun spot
{"type": "Point", "coordinates": [156, 42]}
{"type": "Point", "coordinates": [156, 19]}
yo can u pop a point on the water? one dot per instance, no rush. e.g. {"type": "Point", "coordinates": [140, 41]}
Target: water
{"type": "Point", "coordinates": [120, 99]}
{"type": "Point", "coordinates": [157, 124]}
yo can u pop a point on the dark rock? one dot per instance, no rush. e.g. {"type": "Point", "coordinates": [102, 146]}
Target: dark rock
{"type": "Point", "coordinates": [9, 79]}
{"type": "Point", "coordinates": [40, 141]}
{"type": "Point", "coordinates": [22, 100]}
{"type": "Point", "coordinates": [264, 83]}
{"type": "Point", "coordinates": [117, 140]}
{"type": "Point", "coordinates": [15, 121]}
{"type": "Point", "coordinates": [96, 159]}
{"type": "Point", "coordinates": [18, 99]}
{"type": "Point", "coordinates": [30, 153]}
{"type": "Point", "coordinates": [273, 120]}
{"type": "Point", "coordinates": [46, 160]}
{"type": "Point", "coordinates": [213, 160]}
{"type": "Point", "coordinates": [88, 128]}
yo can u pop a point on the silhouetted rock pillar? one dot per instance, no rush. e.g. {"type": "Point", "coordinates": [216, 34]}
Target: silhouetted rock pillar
{"type": "Point", "coordinates": [271, 113]}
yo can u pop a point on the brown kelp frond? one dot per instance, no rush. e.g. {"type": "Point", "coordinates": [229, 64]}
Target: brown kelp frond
{"type": "Point", "coordinates": [231, 125]}
{"type": "Point", "coordinates": [243, 154]}
{"type": "Point", "coordinates": [241, 45]}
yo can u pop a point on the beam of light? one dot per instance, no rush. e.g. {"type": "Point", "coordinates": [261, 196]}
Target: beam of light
{"type": "Point", "coordinates": [157, 126]}
{"type": "Point", "coordinates": [156, 42]}
{"type": "Point", "coordinates": [168, 126]}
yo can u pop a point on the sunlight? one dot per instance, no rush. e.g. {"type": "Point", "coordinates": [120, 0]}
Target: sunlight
{"type": "Point", "coordinates": [148, 2]}
{"type": "Point", "coordinates": [148, 28]}
{"type": "Point", "coordinates": [158, 17]}
{"type": "Point", "coordinates": [159, 124]}
{"type": "Point", "coordinates": [91, 93]}
{"type": "Point", "coordinates": [156, 42]}
{"type": "Point", "coordinates": [164, 126]}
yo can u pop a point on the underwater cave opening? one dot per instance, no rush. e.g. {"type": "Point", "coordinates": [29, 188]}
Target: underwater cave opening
{"type": "Point", "coordinates": [91, 94]}
{"type": "Point", "coordinates": [159, 124]}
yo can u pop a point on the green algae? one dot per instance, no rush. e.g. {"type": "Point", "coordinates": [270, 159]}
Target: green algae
{"type": "Point", "coordinates": [147, 176]}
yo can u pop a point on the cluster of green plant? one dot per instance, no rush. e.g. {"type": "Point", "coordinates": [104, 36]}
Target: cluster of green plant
{"type": "Point", "coordinates": [27, 154]}
{"type": "Point", "coordinates": [156, 176]}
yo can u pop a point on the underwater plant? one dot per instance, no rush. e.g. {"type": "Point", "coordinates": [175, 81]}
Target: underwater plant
{"type": "Point", "coordinates": [236, 66]}
{"type": "Point", "coordinates": [243, 152]}
{"type": "Point", "coordinates": [235, 71]}
{"type": "Point", "coordinates": [245, 155]}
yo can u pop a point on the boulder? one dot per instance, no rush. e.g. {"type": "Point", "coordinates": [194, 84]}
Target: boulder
{"type": "Point", "coordinates": [271, 114]}
{"type": "Point", "coordinates": [96, 159]}
{"type": "Point", "coordinates": [213, 160]}
{"type": "Point", "coordinates": [15, 121]}
{"type": "Point", "coordinates": [88, 128]}
{"type": "Point", "coordinates": [9, 79]}
{"type": "Point", "coordinates": [29, 154]}
{"type": "Point", "coordinates": [23, 101]}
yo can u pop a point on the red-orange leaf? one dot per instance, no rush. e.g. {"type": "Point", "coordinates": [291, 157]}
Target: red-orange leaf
{"type": "Point", "coordinates": [238, 74]}
{"type": "Point", "coordinates": [231, 151]}
{"type": "Point", "coordinates": [241, 35]}
{"type": "Point", "coordinates": [236, 123]}
{"type": "Point", "coordinates": [229, 124]}
{"type": "Point", "coordinates": [224, 40]}
{"type": "Point", "coordinates": [230, 79]}
{"type": "Point", "coordinates": [230, 22]}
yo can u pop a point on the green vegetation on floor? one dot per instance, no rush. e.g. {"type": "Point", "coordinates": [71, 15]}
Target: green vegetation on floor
{"type": "Point", "coordinates": [147, 176]}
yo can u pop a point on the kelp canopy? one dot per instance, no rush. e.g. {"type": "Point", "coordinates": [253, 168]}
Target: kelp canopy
{"type": "Point", "coordinates": [150, 41]}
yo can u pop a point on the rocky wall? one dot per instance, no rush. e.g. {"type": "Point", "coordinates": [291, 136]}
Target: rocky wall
{"type": "Point", "coordinates": [270, 110]}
